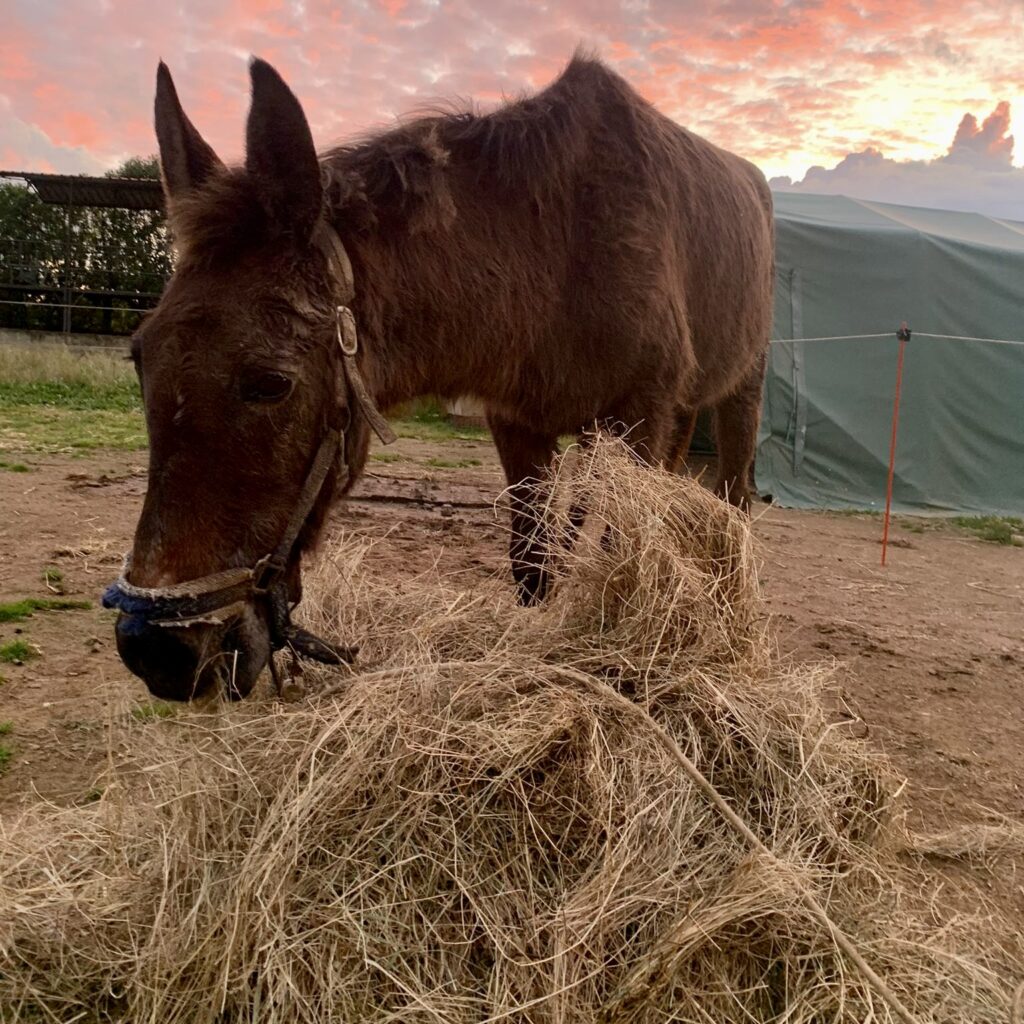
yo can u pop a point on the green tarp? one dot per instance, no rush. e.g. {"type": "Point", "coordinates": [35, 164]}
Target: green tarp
{"type": "Point", "coordinates": [849, 267]}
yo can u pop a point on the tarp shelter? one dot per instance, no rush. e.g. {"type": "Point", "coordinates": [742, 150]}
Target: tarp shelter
{"type": "Point", "coordinates": [850, 267]}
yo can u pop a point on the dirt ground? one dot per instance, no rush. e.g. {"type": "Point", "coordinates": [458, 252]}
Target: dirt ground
{"type": "Point", "coordinates": [930, 649]}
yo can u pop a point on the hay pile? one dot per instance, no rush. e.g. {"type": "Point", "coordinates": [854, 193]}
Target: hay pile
{"type": "Point", "coordinates": [474, 827]}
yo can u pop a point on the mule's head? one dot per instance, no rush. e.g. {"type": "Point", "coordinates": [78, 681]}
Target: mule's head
{"type": "Point", "coordinates": [240, 374]}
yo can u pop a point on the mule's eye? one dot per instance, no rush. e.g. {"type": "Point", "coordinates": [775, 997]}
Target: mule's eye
{"type": "Point", "coordinates": [266, 386]}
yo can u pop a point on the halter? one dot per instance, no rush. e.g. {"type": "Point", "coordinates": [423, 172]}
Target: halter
{"type": "Point", "coordinates": [221, 596]}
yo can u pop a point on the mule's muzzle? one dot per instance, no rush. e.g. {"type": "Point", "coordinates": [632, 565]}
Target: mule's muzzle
{"type": "Point", "coordinates": [161, 658]}
{"type": "Point", "coordinates": [185, 664]}
{"type": "Point", "coordinates": [185, 642]}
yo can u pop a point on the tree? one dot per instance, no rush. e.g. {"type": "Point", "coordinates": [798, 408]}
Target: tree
{"type": "Point", "coordinates": [31, 257]}
{"type": "Point", "coordinates": [137, 167]}
{"type": "Point", "coordinates": [126, 252]}
{"type": "Point", "coordinates": [119, 259]}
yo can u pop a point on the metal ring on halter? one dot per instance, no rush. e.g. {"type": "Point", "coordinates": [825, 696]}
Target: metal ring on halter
{"type": "Point", "coordinates": [348, 338]}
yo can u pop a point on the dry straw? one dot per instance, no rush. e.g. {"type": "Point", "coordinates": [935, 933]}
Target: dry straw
{"type": "Point", "coordinates": [475, 827]}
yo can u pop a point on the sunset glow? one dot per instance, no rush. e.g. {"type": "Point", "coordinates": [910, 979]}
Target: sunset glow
{"type": "Point", "coordinates": [788, 83]}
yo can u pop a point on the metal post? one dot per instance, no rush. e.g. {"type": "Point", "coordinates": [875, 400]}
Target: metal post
{"type": "Point", "coordinates": [903, 334]}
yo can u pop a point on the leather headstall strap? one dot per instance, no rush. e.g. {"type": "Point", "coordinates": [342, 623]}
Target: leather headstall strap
{"type": "Point", "coordinates": [348, 336]}
{"type": "Point", "coordinates": [215, 598]}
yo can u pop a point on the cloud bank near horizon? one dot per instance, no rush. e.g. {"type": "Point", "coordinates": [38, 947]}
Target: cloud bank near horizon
{"type": "Point", "coordinates": [976, 174]}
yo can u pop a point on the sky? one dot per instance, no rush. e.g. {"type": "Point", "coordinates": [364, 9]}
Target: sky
{"type": "Point", "coordinates": [910, 101]}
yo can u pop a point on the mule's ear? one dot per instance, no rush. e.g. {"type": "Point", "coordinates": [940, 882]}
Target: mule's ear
{"type": "Point", "coordinates": [186, 160]}
{"type": "Point", "coordinates": [280, 154]}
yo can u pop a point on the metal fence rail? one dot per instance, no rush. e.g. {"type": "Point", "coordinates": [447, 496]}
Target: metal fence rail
{"type": "Point", "coordinates": [79, 289]}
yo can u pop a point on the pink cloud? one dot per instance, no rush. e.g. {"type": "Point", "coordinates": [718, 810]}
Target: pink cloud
{"type": "Point", "coordinates": [16, 64]}
{"type": "Point", "coordinates": [79, 129]}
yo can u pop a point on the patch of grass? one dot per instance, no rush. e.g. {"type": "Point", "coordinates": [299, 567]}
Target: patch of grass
{"type": "Point", "coordinates": [14, 467]}
{"type": "Point", "coordinates": [57, 399]}
{"type": "Point", "coordinates": [153, 712]}
{"type": "Point", "coordinates": [17, 651]}
{"type": "Point", "coordinates": [71, 394]}
{"type": "Point", "coordinates": [936, 525]}
{"type": "Point", "coordinates": [442, 431]}
{"type": "Point", "coordinates": [452, 463]}
{"type": "Point", "coordinates": [426, 420]}
{"type": "Point", "coordinates": [993, 529]}
{"type": "Point", "coordinates": [46, 428]}
{"type": "Point", "coordinates": [386, 457]}
{"type": "Point", "coordinates": [17, 611]}
{"type": "Point", "coordinates": [6, 753]}
{"type": "Point", "coordinates": [853, 512]}
{"type": "Point", "coordinates": [67, 377]}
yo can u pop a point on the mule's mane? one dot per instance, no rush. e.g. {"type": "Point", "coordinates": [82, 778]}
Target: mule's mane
{"type": "Point", "coordinates": [404, 176]}
{"type": "Point", "coordinates": [527, 145]}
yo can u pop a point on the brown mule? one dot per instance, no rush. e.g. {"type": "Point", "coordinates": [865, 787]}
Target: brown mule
{"type": "Point", "coordinates": [574, 257]}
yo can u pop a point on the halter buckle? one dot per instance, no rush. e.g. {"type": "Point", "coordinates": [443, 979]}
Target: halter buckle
{"type": "Point", "coordinates": [266, 572]}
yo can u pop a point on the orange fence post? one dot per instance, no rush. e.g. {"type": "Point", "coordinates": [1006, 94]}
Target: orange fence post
{"type": "Point", "coordinates": [904, 336]}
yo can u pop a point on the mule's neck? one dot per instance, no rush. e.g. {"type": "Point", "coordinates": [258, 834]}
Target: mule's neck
{"type": "Point", "coordinates": [411, 320]}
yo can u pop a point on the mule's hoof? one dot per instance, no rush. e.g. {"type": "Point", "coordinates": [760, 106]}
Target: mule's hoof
{"type": "Point", "coordinates": [739, 500]}
{"type": "Point", "coordinates": [532, 587]}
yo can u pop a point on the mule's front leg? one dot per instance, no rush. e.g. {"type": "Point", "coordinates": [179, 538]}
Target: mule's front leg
{"type": "Point", "coordinates": [529, 549]}
{"type": "Point", "coordinates": [526, 458]}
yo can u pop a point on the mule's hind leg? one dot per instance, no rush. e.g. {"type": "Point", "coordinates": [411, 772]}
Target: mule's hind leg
{"type": "Point", "coordinates": [526, 458]}
{"type": "Point", "coordinates": [681, 439]}
{"type": "Point", "coordinates": [736, 420]}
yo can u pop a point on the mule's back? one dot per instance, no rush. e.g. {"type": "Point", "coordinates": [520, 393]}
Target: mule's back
{"type": "Point", "coordinates": [650, 231]}
{"type": "Point", "coordinates": [685, 218]}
